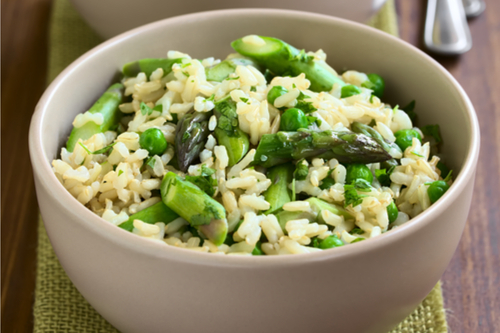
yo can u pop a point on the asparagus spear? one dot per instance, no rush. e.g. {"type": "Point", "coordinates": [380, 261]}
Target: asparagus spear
{"type": "Point", "coordinates": [318, 205]}
{"type": "Point", "coordinates": [222, 70]}
{"type": "Point", "coordinates": [190, 135]}
{"type": "Point", "coordinates": [284, 59]}
{"type": "Point", "coordinates": [228, 132]}
{"type": "Point", "coordinates": [278, 193]}
{"type": "Point", "coordinates": [360, 128]}
{"type": "Point", "coordinates": [107, 105]}
{"type": "Point", "coordinates": [155, 213]}
{"type": "Point", "coordinates": [346, 147]}
{"type": "Point", "coordinates": [195, 206]}
{"type": "Point", "coordinates": [149, 65]}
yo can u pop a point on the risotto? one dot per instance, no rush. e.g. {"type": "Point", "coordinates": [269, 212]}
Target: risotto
{"type": "Point", "coordinates": [267, 152]}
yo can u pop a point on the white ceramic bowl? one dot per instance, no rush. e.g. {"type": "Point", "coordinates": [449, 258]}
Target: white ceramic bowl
{"type": "Point", "coordinates": [112, 17]}
{"type": "Point", "coordinates": [144, 286]}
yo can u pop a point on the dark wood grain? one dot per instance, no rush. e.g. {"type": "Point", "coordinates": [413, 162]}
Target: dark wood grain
{"type": "Point", "coordinates": [24, 59]}
{"type": "Point", "coordinates": [472, 281]}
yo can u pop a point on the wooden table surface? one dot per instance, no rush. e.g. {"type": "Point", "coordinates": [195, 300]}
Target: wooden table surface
{"type": "Point", "coordinates": [471, 283]}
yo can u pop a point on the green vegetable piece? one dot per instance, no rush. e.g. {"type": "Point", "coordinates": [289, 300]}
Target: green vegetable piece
{"type": "Point", "coordinates": [433, 130]}
{"type": "Point", "coordinates": [284, 59]}
{"type": "Point", "coordinates": [107, 106]}
{"type": "Point", "coordinates": [409, 111]}
{"type": "Point", "coordinates": [278, 193]}
{"type": "Point", "coordinates": [392, 212]}
{"type": "Point", "coordinates": [315, 242]}
{"type": "Point", "coordinates": [149, 65]}
{"type": "Point", "coordinates": [269, 76]}
{"type": "Point", "coordinates": [301, 170]}
{"type": "Point", "coordinates": [376, 83]}
{"type": "Point", "coordinates": [404, 138]}
{"type": "Point", "coordinates": [153, 141]}
{"type": "Point", "coordinates": [359, 239]}
{"type": "Point", "coordinates": [356, 231]}
{"type": "Point", "coordinates": [221, 71]}
{"type": "Point", "coordinates": [190, 136]}
{"type": "Point", "coordinates": [360, 128]}
{"type": "Point", "coordinates": [228, 133]}
{"type": "Point", "coordinates": [351, 195]}
{"type": "Point", "coordinates": [349, 90]}
{"type": "Point", "coordinates": [327, 183]}
{"type": "Point", "coordinates": [293, 119]}
{"type": "Point", "coordinates": [437, 189]}
{"type": "Point", "coordinates": [358, 171]}
{"type": "Point", "coordinates": [346, 147]}
{"type": "Point", "coordinates": [384, 176]}
{"type": "Point", "coordinates": [274, 93]}
{"type": "Point", "coordinates": [330, 242]}
{"type": "Point", "coordinates": [318, 205]}
{"type": "Point", "coordinates": [257, 251]}
{"type": "Point", "coordinates": [285, 216]}
{"type": "Point", "coordinates": [443, 168]}
{"type": "Point", "coordinates": [195, 206]}
{"type": "Point", "coordinates": [155, 213]}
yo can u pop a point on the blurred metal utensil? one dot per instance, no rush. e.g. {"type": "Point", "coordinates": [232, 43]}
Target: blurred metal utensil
{"type": "Point", "coordinates": [446, 28]}
{"type": "Point", "coordinates": [473, 8]}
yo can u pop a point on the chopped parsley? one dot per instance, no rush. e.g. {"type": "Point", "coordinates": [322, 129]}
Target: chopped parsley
{"type": "Point", "coordinates": [185, 74]}
{"type": "Point", "coordinates": [253, 88]}
{"type": "Point", "coordinates": [185, 65]}
{"type": "Point", "coordinates": [303, 57]}
{"type": "Point", "coordinates": [409, 111]}
{"type": "Point", "coordinates": [151, 161]}
{"type": "Point", "coordinates": [351, 195]}
{"type": "Point", "coordinates": [204, 181]}
{"type": "Point", "coordinates": [383, 176]}
{"type": "Point", "coordinates": [433, 130]}
{"type": "Point", "coordinates": [357, 231]}
{"type": "Point", "coordinates": [416, 154]}
{"type": "Point", "coordinates": [146, 110]}
{"type": "Point", "coordinates": [307, 107]}
{"type": "Point", "coordinates": [84, 147]}
{"type": "Point", "coordinates": [233, 78]}
{"type": "Point", "coordinates": [99, 151]}
{"type": "Point", "coordinates": [244, 100]}
{"type": "Point", "coordinates": [120, 172]}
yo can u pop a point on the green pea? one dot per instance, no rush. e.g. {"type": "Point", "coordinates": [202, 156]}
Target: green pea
{"type": "Point", "coordinates": [293, 119]}
{"type": "Point", "coordinates": [275, 92]}
{"type": "Point", "coordinates": [404, 138]}
{"type": "Point", "coordinates": [437, 189]}
{"type": "Point", "coordinates": [349, 90]}
{"type": "Point", "coordinates": [376, 83]}
{"type": "Point", "coordinates": [358, 171]}
{"type": "Point", "coordinates": [257, 251]}
{"type": "Point", "coordinates": [330, 242]}
{"type": "Point", "coordinates": [327, 183]}
{"type": "Point", "coordinates": [392, 212]}
{"type": "Point", "coordinates": [153, 141]}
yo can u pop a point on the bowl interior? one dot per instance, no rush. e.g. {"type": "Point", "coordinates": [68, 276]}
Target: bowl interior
{"type": "Point", "coordinates": [409, 74]}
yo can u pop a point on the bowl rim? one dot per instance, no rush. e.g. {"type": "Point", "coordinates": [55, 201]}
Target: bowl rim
{"type": "Point", "coordinates": [87, 219]}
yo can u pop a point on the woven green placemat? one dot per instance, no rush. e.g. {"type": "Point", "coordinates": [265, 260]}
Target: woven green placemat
{"type": "Point", "coordinates": [59, 307]}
